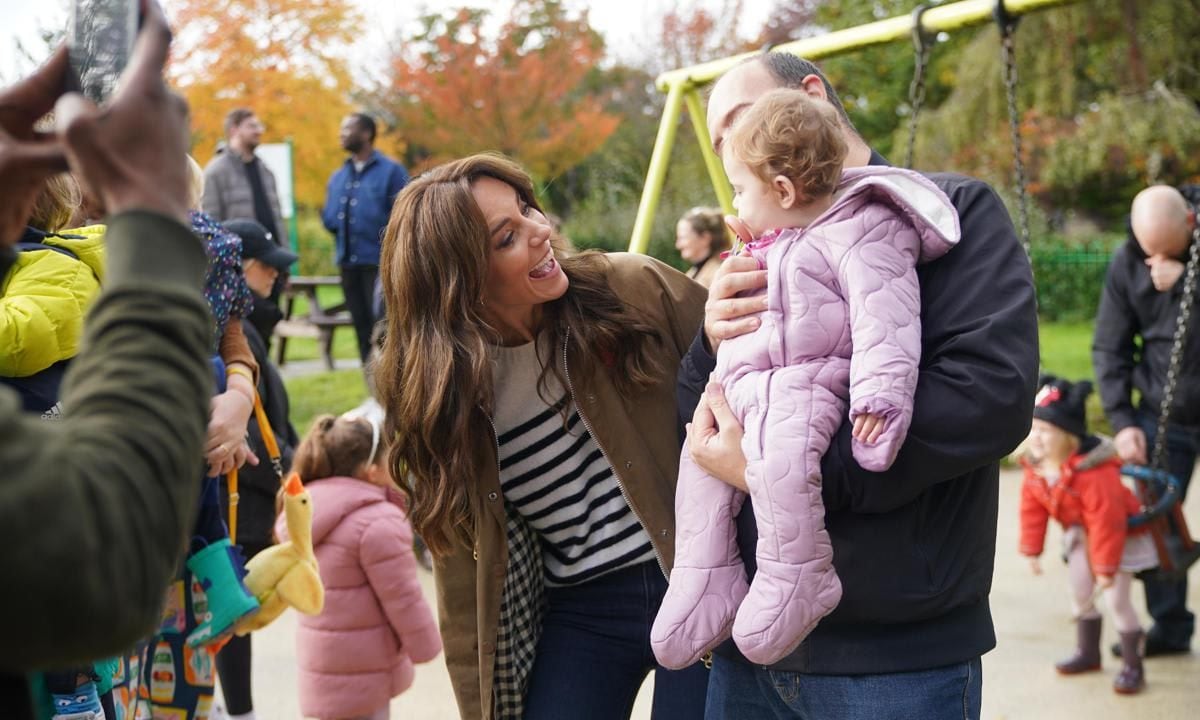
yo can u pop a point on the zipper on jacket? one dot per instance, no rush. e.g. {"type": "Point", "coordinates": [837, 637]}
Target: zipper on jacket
{"type": "Point", "coordinates": [616, 474]}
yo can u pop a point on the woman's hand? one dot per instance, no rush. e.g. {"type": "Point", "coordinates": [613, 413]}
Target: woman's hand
{"type": "Point", "coordinates": [225, 447]}
{"type": "Point", "coordinates": [1035, 566]}
{"type": "Point", "coordinates": [1104, 581]}
{"type": "Point", "coordinates": [714, 438]}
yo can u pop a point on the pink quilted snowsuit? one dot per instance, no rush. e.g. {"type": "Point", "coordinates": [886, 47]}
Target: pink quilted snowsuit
{"type": "Point", "coordinates": [843, 321]}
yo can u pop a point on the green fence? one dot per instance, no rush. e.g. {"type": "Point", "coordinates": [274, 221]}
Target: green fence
{"type": "Point", "coordinates": [1069, 278]}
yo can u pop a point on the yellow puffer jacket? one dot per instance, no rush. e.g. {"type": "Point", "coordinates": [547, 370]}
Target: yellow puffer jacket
{"type": "Point", "coordinates": [43, 300]}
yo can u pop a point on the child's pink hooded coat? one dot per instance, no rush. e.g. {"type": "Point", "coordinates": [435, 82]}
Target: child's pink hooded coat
{"type": "Point", "coordinates": [842, 327]}
{"type": "Point", "coordinates": [359, 652]}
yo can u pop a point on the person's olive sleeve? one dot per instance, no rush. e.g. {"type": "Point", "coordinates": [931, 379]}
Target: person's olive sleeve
{"type": "Point", "coordinates": [94, 507]}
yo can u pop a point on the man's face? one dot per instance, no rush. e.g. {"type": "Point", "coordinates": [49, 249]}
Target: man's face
{"type": "Point", "coordinates": [248, 132]}
{"type": "Point", "coordinates": [352, 134]}
{"type": "Point", "coordinates": [732, 95]}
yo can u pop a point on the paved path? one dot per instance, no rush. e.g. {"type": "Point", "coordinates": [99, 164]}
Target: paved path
{"type": "Point", "coordinates": [1033, 625]}
{"type": "Point", "coordinates": [303, 368]}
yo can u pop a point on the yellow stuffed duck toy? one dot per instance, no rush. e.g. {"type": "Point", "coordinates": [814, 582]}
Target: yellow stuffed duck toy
{"type": "Point", "coordinates": [286, 574]}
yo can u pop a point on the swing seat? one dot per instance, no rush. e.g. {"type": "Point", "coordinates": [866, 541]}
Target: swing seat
{"type": "Point", "coordinates": [1160, 493]}
{"type": "Point", "coordinates": [1158, 490]}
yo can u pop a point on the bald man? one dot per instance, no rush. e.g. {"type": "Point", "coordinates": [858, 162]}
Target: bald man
{"type": "Point", "coordinates": [1141, 301]}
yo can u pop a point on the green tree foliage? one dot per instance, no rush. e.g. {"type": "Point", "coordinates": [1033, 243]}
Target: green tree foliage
{"type": "Point", "coordinates": [455, 89]}
{"type": "Point", "coordinates": [1108, 102]}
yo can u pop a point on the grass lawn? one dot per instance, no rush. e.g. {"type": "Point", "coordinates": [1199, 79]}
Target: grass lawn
{"type": "Point", "coordinates": [1067, 349]}
{"type": "Point", "coordinates": [328, 392]}
{"type": "Point", "coordinates": [1067, 352]}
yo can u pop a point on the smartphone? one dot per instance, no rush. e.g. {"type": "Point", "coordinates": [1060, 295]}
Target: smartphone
{"type": "Point", "coordinates": [100, 35]}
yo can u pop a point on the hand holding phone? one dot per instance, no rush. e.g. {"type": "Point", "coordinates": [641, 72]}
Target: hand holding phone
{"type": "Point", "coordinates": [131, 152]}
{"type": "Point", "coordinates": [100, 36]}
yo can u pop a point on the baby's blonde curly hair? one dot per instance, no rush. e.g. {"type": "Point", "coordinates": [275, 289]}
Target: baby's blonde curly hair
{"type": "Point", "coordinates": [787, 132]}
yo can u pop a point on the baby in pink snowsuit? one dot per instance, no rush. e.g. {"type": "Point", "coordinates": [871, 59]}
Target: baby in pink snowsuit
{"type": "Point", "coordinates": [842, 329]}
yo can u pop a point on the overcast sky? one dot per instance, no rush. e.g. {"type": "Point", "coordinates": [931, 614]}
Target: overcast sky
{"type": "Point", "coordinates": [623, 22]}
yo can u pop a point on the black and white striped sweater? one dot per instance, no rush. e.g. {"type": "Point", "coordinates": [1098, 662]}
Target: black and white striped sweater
{"type": "Point", "coordinates": [558, 478]}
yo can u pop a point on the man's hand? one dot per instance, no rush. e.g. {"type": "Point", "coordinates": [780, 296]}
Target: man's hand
{"type": "Point", "coordinates": [714, 439]}
{"type": "Point", "coordinates": [1164, 271]}
{"type": "Point", "coordinates": [1035, 565]}
{"type": "Point", "coordinates": [27, 157]}
{"type": "Point", "coordinates": [727, 316]}
{"type": "Point", "coordinates": [1131, 445]}
{"type": "Point", "coordinates": [131, 153]}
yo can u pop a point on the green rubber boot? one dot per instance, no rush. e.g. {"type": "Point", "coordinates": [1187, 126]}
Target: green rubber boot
{"type": "Point", "coordinates": [219, 597]}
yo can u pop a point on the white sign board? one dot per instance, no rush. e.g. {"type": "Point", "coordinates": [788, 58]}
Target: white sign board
{"type": "Point", "coordinates": [278, 158]}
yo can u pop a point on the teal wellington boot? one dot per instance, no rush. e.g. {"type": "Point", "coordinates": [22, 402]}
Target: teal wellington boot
{"type": "Point", "coordinates": [219, 597]}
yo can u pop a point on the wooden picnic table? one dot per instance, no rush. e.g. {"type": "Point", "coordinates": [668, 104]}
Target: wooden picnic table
{"type": "Point", "coordinates": [319, 322]}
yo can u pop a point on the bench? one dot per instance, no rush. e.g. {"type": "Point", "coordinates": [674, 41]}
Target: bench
{"type": "Point", "coordinates": [318, 323]}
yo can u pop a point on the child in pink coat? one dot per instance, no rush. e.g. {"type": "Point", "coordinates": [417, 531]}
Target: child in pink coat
{"type": "Point", "coordinates": [359, 652]}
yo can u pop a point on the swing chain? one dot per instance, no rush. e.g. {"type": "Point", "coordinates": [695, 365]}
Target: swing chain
{"type": "Point", "coordinates": [922, 48]}
{"type": "Point", "coordinates": [1008, 27]}
{"type": "Point", "coordinates": [1159, 458]}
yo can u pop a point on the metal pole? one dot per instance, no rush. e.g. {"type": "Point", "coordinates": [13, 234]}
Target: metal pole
{"type": "Point", "coordinates": [682, 83]}
{"type": "Point", "coordinates": [953, 16]}
{"type": "Point", "coordinates": [716, 171]}
{"type": "Point", "coordinates": [657, 173]}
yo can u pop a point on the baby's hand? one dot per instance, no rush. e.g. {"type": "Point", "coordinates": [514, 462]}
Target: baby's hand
{"type": "Point", "coordinates": [868, 428]}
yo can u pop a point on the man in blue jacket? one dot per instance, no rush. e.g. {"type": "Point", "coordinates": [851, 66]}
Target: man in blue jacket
{"type": "Point", "coordinates": [914, 546]}
{"type": "Point", "coordinates": [358, 202]}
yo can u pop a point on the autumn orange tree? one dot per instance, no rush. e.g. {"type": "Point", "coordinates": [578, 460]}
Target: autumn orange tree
{"type": "Point", "coordinates": [283, 59]}
{"type": "Point", "coordinates": [456, 88]}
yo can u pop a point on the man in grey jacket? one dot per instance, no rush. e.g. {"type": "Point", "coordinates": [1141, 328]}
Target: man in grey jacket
{"type": "Point", "coordinates": [236, 182]}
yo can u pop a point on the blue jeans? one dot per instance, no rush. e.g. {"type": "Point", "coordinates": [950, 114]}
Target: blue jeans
{"type": "Point", "coordinates": [595, 653]}
{"type": "Point", "coordinates": [1166, 600]}
{"type": "Point", "coordinates": [737, 691]}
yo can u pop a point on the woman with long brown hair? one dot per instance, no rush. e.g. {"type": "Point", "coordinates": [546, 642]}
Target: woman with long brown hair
{"type": "Point", "coordinates": [531, 398]}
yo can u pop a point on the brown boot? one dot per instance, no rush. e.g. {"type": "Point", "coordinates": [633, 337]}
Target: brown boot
{"type": "Point", "coordinates": [1087, 650]}
{"type": "Point", "coordinates": [1132, 677]}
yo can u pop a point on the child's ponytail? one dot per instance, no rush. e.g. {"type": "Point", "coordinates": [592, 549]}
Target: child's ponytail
{"type": "Point", "coordinates": [335, 446]}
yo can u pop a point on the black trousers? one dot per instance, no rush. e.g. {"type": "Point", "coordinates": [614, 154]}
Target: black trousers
{"type": "Point", "coordinates": [358, 285]}
{"type": "Point", "coordinates": [1166, 600]}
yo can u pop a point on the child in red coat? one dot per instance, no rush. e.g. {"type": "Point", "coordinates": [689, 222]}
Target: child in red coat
{"type": "Point", "coordinates": [1075, 478]}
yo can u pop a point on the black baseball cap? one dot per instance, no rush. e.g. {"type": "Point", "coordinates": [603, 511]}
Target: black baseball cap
{"type": "Point", "coordinates": [258, 244]}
